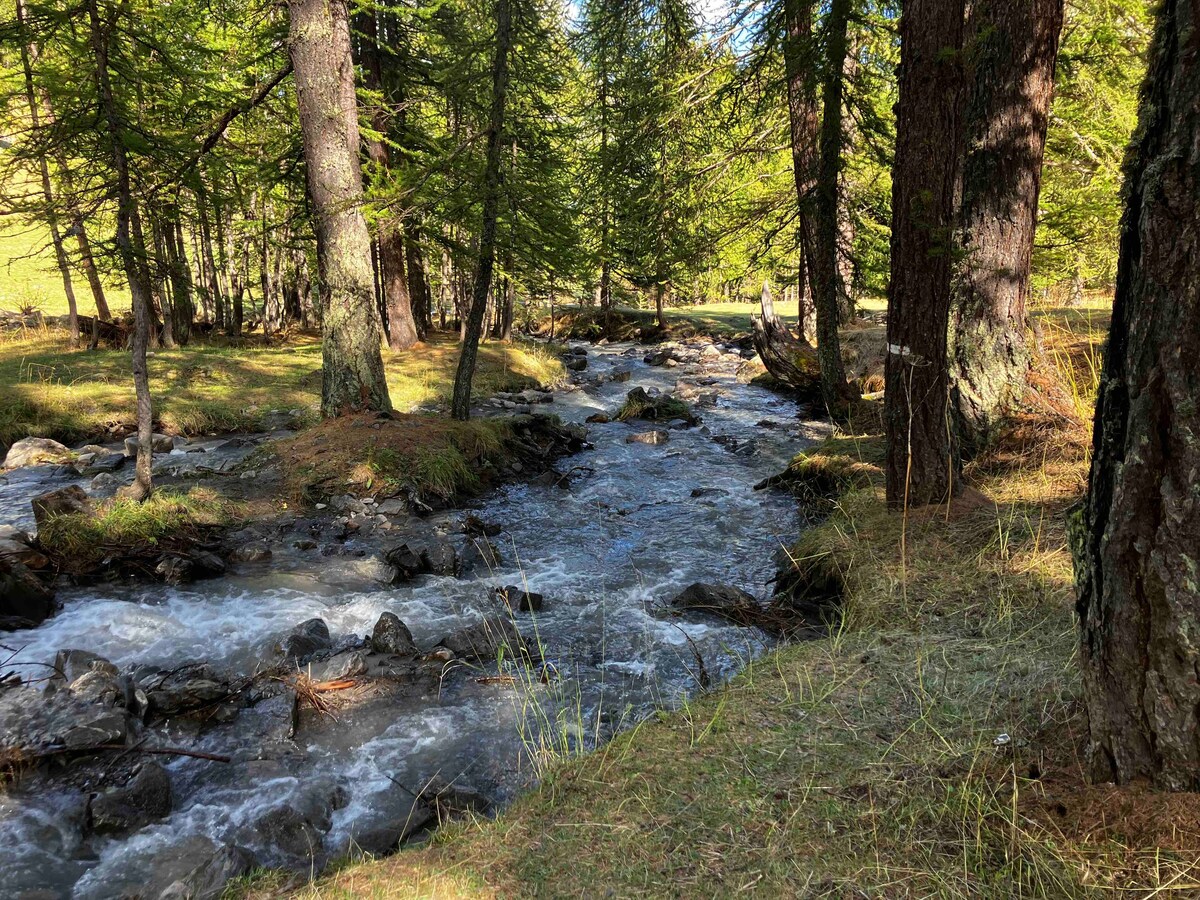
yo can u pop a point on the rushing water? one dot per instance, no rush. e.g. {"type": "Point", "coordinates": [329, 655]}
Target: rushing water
{"type": "Point", "coordinates": [639, 523]}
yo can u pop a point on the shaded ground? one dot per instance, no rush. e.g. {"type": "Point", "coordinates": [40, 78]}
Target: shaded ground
{"type": "Point", "coordinates": [51, 391]}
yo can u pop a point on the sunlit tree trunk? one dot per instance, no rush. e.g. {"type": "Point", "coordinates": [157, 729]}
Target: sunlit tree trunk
{"type": "Point", "coordinates": [319, 42]}
{"type": "Point", "coordinates": [1137, 540]}
{"type": "Point", "coordinates": [1011, 46]}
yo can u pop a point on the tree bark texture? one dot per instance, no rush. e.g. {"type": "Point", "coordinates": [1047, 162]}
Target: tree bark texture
{"type": "Point", "coordinates": [1011, 46]}
{"type": "Point", "coordinates": [921, 463]}
{"type": "Point", "coordinates": [793, 362]}
{"type": "Point", "coordinates": [1137, 538]}
{"type": "Point", "coordinates": [319, 44]}
{"type": "Point", "coordinates": [460, 407]}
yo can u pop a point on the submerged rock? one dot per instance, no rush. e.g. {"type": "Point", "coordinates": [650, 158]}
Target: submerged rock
{"type": "Point", "coordinates": [483, 640]}
{"type": "Point", "coordinates": [657, 436]}
{"type": "Point", "coordinates": [722, 600]}
{"type": "Point", "coordinates": [406, 562]}
{"type": "Point", "coordinates": [36, 451]}
{"type": "Point", "coordinates": [194, 867]}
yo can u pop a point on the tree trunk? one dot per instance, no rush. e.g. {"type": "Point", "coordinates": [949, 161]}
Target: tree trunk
{"type": "Point", "coordinates": [88, 263]}
{"type": "Point", "coordinates": [183, 309]}
{"type": "Point", "coordinates": [1013, 45]}
{"type": "Point", "coordinates": [210, 263]}
{"type": "Point", "coordinates": [921, 463]}
{"type": "Point", "coordinates": [826, 283]}
{"type": "Point", "coordinates": [319, 42]}
{"type": "Point", "coordinates": [29, 54]}
{"type": "Point", "coordinates": [132, 252]}
{"type": "Point", "coordinates": [418, 287]}
{"type": "Point", "coordinates": [1136, 539]}
{"type": "Point", "coordinates": [460, 407]}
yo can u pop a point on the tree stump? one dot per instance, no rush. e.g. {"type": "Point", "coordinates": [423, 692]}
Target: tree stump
{"type": "Point", "coordinates": [788, 359]}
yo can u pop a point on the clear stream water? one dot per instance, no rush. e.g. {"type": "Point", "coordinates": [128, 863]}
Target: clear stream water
{"type": "Point", "coordinates": [640, 523]}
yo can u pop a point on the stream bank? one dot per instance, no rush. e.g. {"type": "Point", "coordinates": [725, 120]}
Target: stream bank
{"type": "Point", "coordinates": [315, 770]}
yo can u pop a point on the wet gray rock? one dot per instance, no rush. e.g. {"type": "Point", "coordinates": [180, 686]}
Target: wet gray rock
{"type": "Point", "coordinates": [453, 799]}
{"type": "Point", "coordinates": [145, 798]}
{"type": "Point", "coordinates": [657, 436]}
{"type": "Point", "coordinates": [251, 553]}
{"type": "Point", "coordinates": [159, 443]}
{"type": "Point", "coordinates": [36, 451]}
{"type": "Point", "coordinates": [350, 664]}
{"type": "Point", "coordinates": [723, 600]}
{"type": "Point", "coordinates": [392, 817]}
{"type": "Point", "coordinates": [100, 684]}
{"type": "Point", "coordinates": [194, 867]}
{"type": "Point", "coordinates": [107, 462]}
{"type": "Point", "coordinates": [406, 561]}
{"type": "Point", "coordinates": [183, 691]}
{"type": "Point", "coordinates": [69, 665]}
{"type": "Point", "coordinates": [483, 640]}
{"type": "Point", "coordinates": [31, 721]}
{"type": "Point", "coordinates": [481, 555]}
{"type": "Point", "coordinates": [292, 834]}
{"type": "Point", "coordinates": [104, 485]}
{"type": "Point", "coordinates": [178, 569]}
{"type": "Point", "coordinates": [66, 500]}
{"type": "Point", "coordinates": [272, 720]}
{"type": "Point", "coordinates": [393, 506]}
{"type": "Point", "coordinates": [305, 640]}
{"type": "Point", "coordinates": [25, 601]}
{"type": "Point", "coordinates": [440, 558]}
{"type": "Point", "coordinates": [575, 363]}
{"type": "Point", "coordinates": [390, 635]}
{"type": "Point", "coordinates": [16, 551]}
{"type": "Point", "coordinates": [520, 600]}
{"type": "Point", "coordinates": [473, 526]}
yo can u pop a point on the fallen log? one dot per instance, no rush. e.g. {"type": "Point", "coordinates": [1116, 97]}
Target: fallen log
{"type": "Point", "coordinates": [790, 360]}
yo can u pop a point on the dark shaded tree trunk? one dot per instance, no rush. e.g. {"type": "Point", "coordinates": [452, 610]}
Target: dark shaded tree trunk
{"type": "Point", "coordinates": [209, 262]}
{"type": "Point", "coordinates": [29, 54]}
{"type": "Point", "coordinates": [460, 407]}
{"type": "Point", "coordinates": [1012, 46]}
{"type": "Point", "coordinates": [319, 43]}
{"type": "Point", "coordinates": [418, 286]}
{"type": "Point", "coordinates": [1137, 538]}
{"type": "Point", "coordinates": [921, 463]}
{"type": "Point", "coordinates": [826, 279]}
{"type": "Point", "coordinates": [88, 263]}
{"type": "Point", "coordinates": [182, 307]}
{"type": "Point", "coordinates": [131, 248]}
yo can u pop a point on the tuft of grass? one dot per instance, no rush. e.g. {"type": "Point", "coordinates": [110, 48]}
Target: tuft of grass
{"type": "Point", "coordinates": [640, 405]}
{"type": "Point", "coordinates": [79, 541]}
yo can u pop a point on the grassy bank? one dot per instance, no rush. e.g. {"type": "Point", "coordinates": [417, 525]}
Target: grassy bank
{"type": "Point", "coordinates": [931, 747]}
{"type": "Point", "coordinates": [52, 391]}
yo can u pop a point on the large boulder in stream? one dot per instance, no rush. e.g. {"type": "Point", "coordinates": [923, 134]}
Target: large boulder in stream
{"type": "Point", "coordinates": [36, 451]}
{"type": "Point", "coordinates": [144, 798]}
{"type": "Point", "coordinates": [392, 636]}
{"type": "Point", "coordinates": [192, 867]}
{"type": "Point", "coordinates": [305, 641]}
{"type": "Point", "coordinates": [24, 601]}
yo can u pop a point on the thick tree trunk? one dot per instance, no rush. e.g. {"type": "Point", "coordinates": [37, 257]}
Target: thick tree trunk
{"type": "Point", "coordinates": [460, 406]}
{"type": "Point", "coordinates": [921, 461]}
{"type": "Point", "coordinates": [182, 308]}
{"type": "Point", "coordinates": [210, 263]}
{"type": "Point", "coordinates": [836, 392]}
{"type": "Point", "coordinates": [1137, 539]}
{"type": "Point", "coordinates": [418, 286]}
{"type": "Point", "coordinates": [319, 42]}
{"type": "Point", "coordinates": [1013, 45]}
{"type": "Point", "coordinates": [132, 252]}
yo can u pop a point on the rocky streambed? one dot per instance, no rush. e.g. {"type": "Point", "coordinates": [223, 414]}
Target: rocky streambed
{"type": "Point", "coordinates": [358, 672]}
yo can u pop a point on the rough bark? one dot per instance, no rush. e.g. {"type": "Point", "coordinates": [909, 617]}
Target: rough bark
{"type": "Point", "coordinates": [1137, 539]}
{"type": "Point", "coordinates": [210, 263]}
{"type": "Point", "coordinates": [826, 280]}
{"type": "Point", "coordinates": [1012, 46]}
{"type": "Point", "coordinates": [460, 407]}
{"type": "Point", "coordinates": [132, 252]}
{"type": "Point", "coordinates": [921, 462]}
{"type": "Point", "coordinates": [791, 361]}
{"type": "Point", "coordinates": [319, 43]}
{"type": "Point", "coordinates": [182, 307]}
{"type": "Point", "coordinates": [418, 285]}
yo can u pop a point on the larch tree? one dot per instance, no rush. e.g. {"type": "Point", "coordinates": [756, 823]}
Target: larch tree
{"type": "Point", "coordinates": [1011, 46]}
{"type": "Point", "coordinates": [1136, 540]}
{"type": "Point", "coordinates": [921, 463]}
{"type": "Point", "coordinates": [319, 44]}
{"type": "Point", "coordinates": [460, 406]}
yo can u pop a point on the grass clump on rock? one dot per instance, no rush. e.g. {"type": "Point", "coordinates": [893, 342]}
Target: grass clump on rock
{"type": "Point", "coordinates": [640, 405]}
{"type": "Point", "coordinates": [78, 542]}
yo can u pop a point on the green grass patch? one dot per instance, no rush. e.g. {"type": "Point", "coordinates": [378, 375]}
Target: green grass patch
{"type": "Point", "coordinates": [81, 541]}
{"type": "Point", "coordinates": [640, 405]}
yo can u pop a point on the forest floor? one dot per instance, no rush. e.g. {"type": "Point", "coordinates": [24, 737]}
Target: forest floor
{"type": "Point", "coordinates": [71, 395]}
{"type": "Point", "coordinates": [931, 747]}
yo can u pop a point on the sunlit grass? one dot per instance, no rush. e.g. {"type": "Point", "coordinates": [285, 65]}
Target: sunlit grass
{"type": "Point", "coordinates": [53, 391]}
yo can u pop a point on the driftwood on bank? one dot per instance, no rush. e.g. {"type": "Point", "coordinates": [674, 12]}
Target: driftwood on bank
{"type": "Point", "coordinates": [788, 359]}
